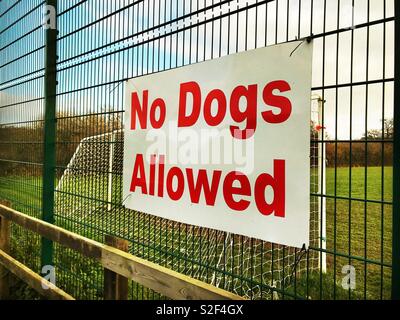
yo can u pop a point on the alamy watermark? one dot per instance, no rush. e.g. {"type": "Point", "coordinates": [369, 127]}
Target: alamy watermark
{"type": "Point", "coordinates": [349, 280]}
{"type": "Point", "coordinates": [49, 274]}
{"type": "Point", "coordinates": [207, 146]}
{"type": "Point", "coordinates": [50, 17]}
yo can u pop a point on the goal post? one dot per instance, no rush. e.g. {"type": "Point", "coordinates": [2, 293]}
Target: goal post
{"type": "Point", "coordinates": [321, 190]}
{"type": "Point", "coordinates": [110, 171]}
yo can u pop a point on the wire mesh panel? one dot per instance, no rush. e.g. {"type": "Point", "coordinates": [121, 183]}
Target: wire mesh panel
{"type": "Point", "coordinates": [21, 123]}
{"type": "Point", "coordinates": [101, 44]}
{"type": "Point", "coordinates": [98, 160]}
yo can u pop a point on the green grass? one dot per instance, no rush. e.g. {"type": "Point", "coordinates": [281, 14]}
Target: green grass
{"type": "Point", "coordinates": [361, 229]}
{"type": "Point", "coordinates": [347, 224]}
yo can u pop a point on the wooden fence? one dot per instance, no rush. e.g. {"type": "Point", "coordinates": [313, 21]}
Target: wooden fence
{"type": "Point", "coordinates": [119, 265]}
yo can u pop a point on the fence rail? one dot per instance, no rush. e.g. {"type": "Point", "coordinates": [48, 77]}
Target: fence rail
{"type": "Point", "coordinates": [165, 281]}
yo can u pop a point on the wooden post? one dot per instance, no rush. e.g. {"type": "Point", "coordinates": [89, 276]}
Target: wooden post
{"type": "Point", "coordinates": [115, 285]}
{"type": "Point", "coordinates": [5, 246]}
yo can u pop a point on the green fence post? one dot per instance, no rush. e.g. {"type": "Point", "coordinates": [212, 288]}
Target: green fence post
{"type": "Point", "coordinates": [49, 158]}
{"type": "Point", "coordinates": [396, 164]}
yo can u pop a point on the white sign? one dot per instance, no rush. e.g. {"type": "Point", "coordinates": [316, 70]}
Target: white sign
{"type": "Point", "coordinates": [224, 144]}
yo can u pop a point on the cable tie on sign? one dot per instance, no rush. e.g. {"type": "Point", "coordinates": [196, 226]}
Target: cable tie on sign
{"type": "Point", "coordinates": [126, 198]}
{"type": "Point", "coordinates": [115, 87]}
{"type": "Point", "coordinates": [308, 39]}
{"type": "Point", "coordinates": [302, 252]}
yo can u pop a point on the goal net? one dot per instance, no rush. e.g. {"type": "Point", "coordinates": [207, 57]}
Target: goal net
{"type": "Point", "coordinates": [89, 196]}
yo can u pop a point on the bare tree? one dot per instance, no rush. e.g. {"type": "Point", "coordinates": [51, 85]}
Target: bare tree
{"type": "Point", "coordinates": [377, 134]}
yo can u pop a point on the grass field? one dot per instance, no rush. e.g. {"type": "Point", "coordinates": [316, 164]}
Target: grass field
{"type": "Point", "coordinates": [361, 229]}
{"type": "Point", "coordinates": [358, 229]}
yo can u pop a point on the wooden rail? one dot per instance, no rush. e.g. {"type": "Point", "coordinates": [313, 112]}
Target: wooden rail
{"type": "Point", "coordinates": [162, 280]}
{"type": "Point", "coordinates": [4, 245]}
{"type": "Point", "coordinates": [35, 281]}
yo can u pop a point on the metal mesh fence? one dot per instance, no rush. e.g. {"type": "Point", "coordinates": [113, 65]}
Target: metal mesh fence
{"type": "Point", "coordinates": [22, 101]}
{"type": "Point", "coordinates": [212, 256]}
{"type": "Point", "coordinates": [100, 44]}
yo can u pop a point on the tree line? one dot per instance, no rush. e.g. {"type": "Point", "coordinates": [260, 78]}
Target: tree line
{"type": "Point", "coordinates": [375, 148]}
{"type": "Point", "coordinates": [21, 145]}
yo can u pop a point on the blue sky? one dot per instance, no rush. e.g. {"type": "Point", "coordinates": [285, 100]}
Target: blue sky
{"type": "Point", "coordinates": [131, 20]}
